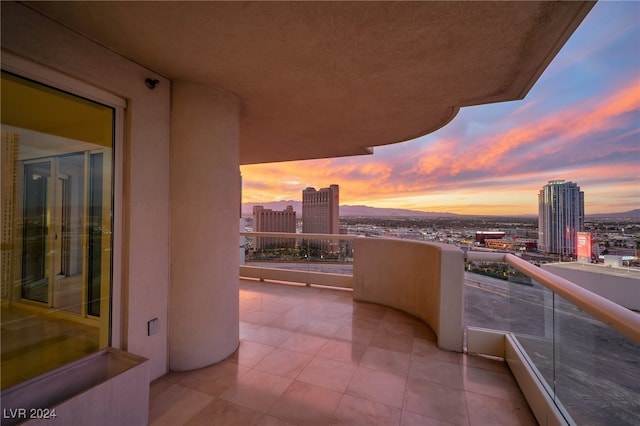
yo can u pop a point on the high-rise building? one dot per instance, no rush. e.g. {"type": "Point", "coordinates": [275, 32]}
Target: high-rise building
{"type": "Point", "coordinates": [321, 214]}
{"type": "Point", "coordinates": [267, 220]}
{"type": "Point", "coordinates": [560, 217]}
{"type": "Point", "coordinates": [320, 210]}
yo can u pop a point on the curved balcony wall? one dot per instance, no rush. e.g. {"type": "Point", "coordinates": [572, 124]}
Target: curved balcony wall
{"type": "Point", "coordinates": [423, 279]}
{"type": "Point", "coordinates": [420, 278]}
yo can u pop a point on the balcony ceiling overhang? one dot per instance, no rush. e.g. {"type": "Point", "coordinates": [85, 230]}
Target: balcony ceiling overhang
{"type": "Point", "coordinates": [330, 79]}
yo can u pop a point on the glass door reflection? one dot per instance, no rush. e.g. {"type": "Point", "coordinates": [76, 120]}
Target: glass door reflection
{"type": "Point", "coordinates": [68, 228]}
{"type": "Point", "coordinates": [36, 218]}
{"type": "Point", "coordinates": [55, 225]}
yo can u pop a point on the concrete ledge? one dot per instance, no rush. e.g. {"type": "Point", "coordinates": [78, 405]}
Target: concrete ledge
{"type": "Point", "coordinates": [505, 345]}
{"type": "Point", "coordinates": [423, 279]}
{"type": "Point", "coordinates": [110, 387]}
{"type": "Point", "coordinates": [543, 407]}
{"type": "Point", "coordinates": [483, 341]}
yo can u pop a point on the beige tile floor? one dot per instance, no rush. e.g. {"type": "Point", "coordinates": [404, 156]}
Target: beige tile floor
{"type": "Point", "coordinates": [312, 356]}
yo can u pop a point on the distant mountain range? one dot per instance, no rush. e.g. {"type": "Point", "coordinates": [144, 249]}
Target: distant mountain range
{"type": "Point", "coordinates": [631, 214]}
{"type": "Point", "coordinates": [347, 210]}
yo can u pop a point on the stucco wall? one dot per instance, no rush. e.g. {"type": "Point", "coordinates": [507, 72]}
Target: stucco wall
{"type": "Point", "coordinates": [144, 281]}
{"type": "Point", "coordinates": [423, 279]}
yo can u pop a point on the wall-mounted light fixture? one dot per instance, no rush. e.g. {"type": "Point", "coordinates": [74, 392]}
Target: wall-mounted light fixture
{"type": "Point", "coordinates": [151, 83]}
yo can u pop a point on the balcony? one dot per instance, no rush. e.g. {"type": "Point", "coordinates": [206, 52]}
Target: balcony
{"type": "Point", "coordinates": [330, 348]}
{"type": "Point", "coordinates": [186, 115]}
{"type": "Point", "coordinates": [313, 356]}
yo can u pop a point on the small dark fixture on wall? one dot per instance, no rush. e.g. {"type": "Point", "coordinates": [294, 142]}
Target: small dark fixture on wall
{"type": "Point", "coordinates": [151, 83]}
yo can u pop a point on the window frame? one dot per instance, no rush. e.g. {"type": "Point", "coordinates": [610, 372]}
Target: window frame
{"type": "Point", "coordinates": [30, 70]}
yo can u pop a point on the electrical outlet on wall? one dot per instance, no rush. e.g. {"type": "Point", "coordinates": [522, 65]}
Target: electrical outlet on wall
{"type": "Point", "coordinates": [152, 326]}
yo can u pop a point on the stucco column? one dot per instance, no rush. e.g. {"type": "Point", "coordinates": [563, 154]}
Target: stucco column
{"type": "Point", "coordinates": [205, 198]}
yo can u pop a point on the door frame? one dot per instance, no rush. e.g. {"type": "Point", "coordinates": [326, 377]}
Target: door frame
{"type": "Point", "coordinates": [42, 74]}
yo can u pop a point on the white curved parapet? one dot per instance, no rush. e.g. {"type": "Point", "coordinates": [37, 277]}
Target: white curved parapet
{"type": "Point", "coordinates": [423, 279]}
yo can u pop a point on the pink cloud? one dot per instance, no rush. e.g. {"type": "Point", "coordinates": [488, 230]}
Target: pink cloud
{"type": "Point", "coordinates": [546, 135]}
{"type": "Point", "coordinates": [508, 158]}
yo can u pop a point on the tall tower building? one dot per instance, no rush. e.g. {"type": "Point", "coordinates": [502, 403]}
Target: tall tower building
{"type": "Point", "coordinates": [321, 214]}
{"type": "Point", "coordinates": [560, 217]}
{"type": "Point", "coordinates": [267, 220]}
{"type": "Point", "coordinates": [320, 210]}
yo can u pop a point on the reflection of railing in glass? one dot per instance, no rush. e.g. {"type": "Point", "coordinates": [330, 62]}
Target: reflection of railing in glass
{"type": "Point", "coordinates": [584, 348]}
{"type": "Point", "coordinates": [35, 232]}
{"type": "Point", "coordinates": [95, 234]}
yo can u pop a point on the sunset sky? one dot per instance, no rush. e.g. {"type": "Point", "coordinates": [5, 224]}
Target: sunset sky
{"type": "Point", "coordinates": [580, 122]}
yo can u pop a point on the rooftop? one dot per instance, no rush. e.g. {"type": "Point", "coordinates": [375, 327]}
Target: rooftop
{"type": "Point", "coordinates": [633, 273]}
{"type": "Point", "coordinates": [311, 355]}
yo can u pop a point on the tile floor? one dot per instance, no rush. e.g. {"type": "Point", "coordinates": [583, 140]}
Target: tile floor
{"type": "Point", "coordinates": [312, 356]}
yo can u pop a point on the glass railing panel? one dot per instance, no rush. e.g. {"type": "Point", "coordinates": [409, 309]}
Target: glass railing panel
{"type": "Point", "coordinates": [329, 256]}
{"type": "Point", "coordinates": [298, 252]}
{"type": "Point", "coordinates": [486, 299]}
{"type": "Point", "coordinates": [589, 370]}
{"type": "Point", "coordinates": [597, 374]}
{"type": "Point", "coordinates": [276, 250]}
{"type": "Point", "coordinates": [531, 320]}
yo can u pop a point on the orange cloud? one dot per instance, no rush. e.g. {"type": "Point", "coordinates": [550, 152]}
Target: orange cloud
{"type": "Point", "coordinates": [490, 170]}
{"type": "Point", "coordinates": [562, 128]}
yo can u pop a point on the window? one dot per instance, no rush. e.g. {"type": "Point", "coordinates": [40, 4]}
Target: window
{"type": "Point", "coordinates": [57, 222]}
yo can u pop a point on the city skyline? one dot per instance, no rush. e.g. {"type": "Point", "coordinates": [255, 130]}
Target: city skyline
{"type": "Point", "coordinates": [579, 122]}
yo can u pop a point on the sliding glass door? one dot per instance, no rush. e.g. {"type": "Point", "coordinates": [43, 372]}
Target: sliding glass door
{"type": "Point", "coordinates": [57, 214]}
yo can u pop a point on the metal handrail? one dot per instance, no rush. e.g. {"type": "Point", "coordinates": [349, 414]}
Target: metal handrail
{"type": "Point", "coordinates": [349, 237]}
{"type": "Point", "coordinates": [619, 318]}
